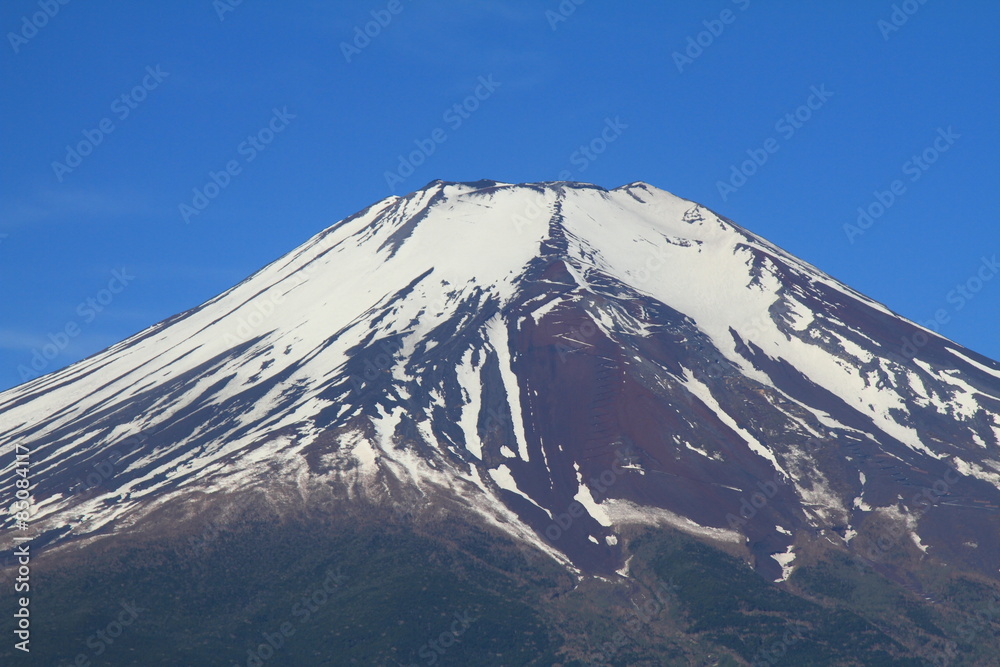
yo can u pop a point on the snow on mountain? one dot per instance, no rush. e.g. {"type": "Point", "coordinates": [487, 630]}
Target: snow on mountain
{"type": "Point", "coordinates": [562, 359]}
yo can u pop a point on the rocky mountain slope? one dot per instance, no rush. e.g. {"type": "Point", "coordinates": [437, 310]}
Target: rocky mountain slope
{"type": "Point", "coordinates": [562, 365]}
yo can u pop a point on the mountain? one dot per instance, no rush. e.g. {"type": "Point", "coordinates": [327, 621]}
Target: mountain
{"type": "Point", "coordinates": [572, 373]}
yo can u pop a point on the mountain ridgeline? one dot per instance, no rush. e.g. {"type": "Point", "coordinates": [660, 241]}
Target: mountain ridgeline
{"type": "Point", "coordinates": [542, 423]}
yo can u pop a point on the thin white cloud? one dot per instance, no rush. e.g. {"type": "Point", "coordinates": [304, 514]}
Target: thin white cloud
{"type": "Point", "coordinates": [67, 205]}
{"type": "Point", "coordinates": [12, 339]}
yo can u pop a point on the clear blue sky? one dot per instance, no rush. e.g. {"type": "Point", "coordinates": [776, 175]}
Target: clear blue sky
{"type": "Point", "coordinates": [64, 229]}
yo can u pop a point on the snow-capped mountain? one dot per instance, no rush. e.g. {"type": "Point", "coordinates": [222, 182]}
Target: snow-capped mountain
{"type": "Point", "coordinates": [560, 360]}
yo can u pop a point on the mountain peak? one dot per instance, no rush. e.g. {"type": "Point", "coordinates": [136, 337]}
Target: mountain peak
{"type": "Point", "coordinates": [503, 346]}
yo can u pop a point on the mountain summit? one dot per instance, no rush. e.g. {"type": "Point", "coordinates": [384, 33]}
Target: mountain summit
{"type": "Point", "coordinates": [561, 359]}
{"type": "Point", "coordinates": [557, 362]}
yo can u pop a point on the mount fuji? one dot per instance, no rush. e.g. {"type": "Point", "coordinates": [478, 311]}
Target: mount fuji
{"type": "Point", "coordinates": [570, 373]}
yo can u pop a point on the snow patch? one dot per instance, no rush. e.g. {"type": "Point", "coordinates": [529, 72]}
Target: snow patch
{"type": "Point", "coordinates": [623, 512]}
{"type": "Point", "coordinates": [785, 561]}
{"type": "Point", "coordinates": [586, 498]}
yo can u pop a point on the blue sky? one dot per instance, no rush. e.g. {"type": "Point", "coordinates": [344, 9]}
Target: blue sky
{"type": "Point", "coordinates": [160, 95]}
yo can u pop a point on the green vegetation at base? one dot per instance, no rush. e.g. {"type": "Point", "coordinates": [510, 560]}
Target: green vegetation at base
{"type": "Point", "coordinates": [728, 602]}
{"type": "Point", "coordinates": [287, 595]}
{"type": "Point", "coordinates": [959, 628]}
{"type": "Point", "coordinates": [368, 590]}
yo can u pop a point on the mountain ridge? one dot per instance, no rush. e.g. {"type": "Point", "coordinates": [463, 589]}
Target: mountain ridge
{"type": "Point", "coordinates": [505, 346]}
